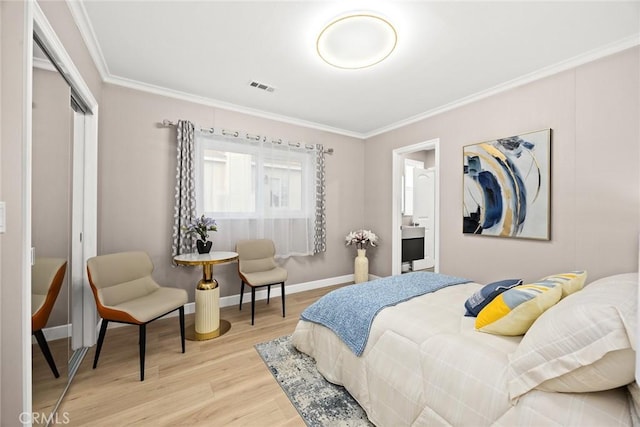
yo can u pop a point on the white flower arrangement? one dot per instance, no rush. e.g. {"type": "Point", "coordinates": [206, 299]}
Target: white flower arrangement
{"type": "Point", "coordinates": [361, 239]}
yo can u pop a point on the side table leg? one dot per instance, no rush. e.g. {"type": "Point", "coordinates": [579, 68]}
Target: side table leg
{"type": "Point", "coordinates": [208, 324]}
{"type": "Point", "coordinates": [207, 313]}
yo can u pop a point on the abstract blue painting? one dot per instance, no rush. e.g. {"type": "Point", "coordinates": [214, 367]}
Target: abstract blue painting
{"type": "Point", "coordinates": [506, 186]}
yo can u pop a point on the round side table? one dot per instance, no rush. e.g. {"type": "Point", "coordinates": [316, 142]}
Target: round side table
{"type": "Point", "coordinates": [208, 324]}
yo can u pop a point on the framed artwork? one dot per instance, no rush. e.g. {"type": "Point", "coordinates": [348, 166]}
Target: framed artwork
{"type": "Point", "coordinates": [506, 186]}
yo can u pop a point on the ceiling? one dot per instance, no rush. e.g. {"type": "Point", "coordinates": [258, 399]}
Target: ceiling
{"type": "Point", "coordinates": [447, 53]}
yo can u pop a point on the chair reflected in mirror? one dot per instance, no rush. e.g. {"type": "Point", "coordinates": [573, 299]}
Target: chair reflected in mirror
{"type": "Point", "coordinates": [47, 275]}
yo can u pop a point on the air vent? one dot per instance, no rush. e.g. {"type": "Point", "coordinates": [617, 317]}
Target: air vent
{"type": "Point", "coordinates": [262, 86]}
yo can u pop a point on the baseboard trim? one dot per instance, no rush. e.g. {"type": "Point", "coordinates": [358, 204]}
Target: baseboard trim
{"type": "Point", "coordinates": [64, 331]}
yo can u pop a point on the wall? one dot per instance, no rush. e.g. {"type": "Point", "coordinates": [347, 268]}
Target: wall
{"type": "Point", "coordinates": [593, 111]}
{"type": "Point", "coordinates": [137, 180]}
{"type": "Point", "coordinates": [15, 368]}
{"type": "Point", "coordinates": [426, 156]}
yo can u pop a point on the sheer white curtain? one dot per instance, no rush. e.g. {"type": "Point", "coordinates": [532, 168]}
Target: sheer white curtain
{"type": "Point", "coordinates": [261, 189]}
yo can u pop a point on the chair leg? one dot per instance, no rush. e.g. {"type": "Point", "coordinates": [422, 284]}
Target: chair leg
{"type": "Point", "coordinates": [143, 339]}
{"type": "Point", "coordinates": [182, 326]}
{"type": "Point", "coordinates": [253, 303]}
{"type": "Point", "coordinates": [282, 292]}
{"type": "Point", "coordinates": [42, 342]}
{"type": "Point", "coordinates": [268, 293]}
{"type": "Point", "coordinates": [241, 293]}
{"type": "Point", "coordinates": [103, 331]}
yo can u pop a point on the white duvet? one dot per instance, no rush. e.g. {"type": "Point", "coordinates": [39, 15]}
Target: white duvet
{"type": "Point", "coordinates": [426, 365]}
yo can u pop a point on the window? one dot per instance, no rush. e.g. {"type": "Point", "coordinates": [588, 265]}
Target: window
{"type": "Point", "coordinates": [240, 179]}
{"type": "Point", "coordinates": [258, 190]}
{"type": "Point", "coordinates": [228, 183]}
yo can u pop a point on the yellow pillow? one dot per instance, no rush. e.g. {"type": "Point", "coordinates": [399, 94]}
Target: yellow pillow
{"type": "Point", "coordinates": [514, 311]}
{"type": "Point", "coordinates": [571, 282]}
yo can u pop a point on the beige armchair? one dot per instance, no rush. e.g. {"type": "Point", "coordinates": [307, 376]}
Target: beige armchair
{"type": "Point", "coordinates": [125, 292]}
{"type": "Point", "coordinates": [257, 268]}
{"type": "Point", "coordinates": [47, 275]}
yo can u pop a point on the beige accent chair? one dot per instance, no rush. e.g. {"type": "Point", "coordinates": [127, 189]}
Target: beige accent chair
{"type": "Point", "coordinates": [257, 268]}
{"type": "Point", "coordinates": [125, 292]}
{"type": "Point", "coordinates": [47, 275]}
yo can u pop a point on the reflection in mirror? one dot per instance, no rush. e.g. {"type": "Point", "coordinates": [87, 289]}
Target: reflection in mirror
{"type": "Point", "coordinates": [52, 132]}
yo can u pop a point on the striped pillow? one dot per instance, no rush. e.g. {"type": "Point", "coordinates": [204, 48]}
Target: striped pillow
{"type": "Point", "coordinates": [571, 282]}
{"type": "Point", "coordinates": [514, 311]}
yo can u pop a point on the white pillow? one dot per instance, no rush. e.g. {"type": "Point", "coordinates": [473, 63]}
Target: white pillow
{"type": "Point", "coordinates": [585, 342]}
{"type": "Point", "coordinates": [615, 368]}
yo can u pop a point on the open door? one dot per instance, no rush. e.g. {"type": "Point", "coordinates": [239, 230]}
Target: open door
{"type": "Point", "coordinates": [424, 211]}
{"type": "Point", "coordinates": [398, 156]}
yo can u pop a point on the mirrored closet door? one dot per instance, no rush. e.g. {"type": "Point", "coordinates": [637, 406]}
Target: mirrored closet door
{"type": "Point", "coordinates": [52, 142]}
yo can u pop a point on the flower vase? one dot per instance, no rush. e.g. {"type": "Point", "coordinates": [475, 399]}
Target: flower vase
{"type": "Point", "coordinates": [204, 247]}
{"type": "Point", "coordinates": [361, 267]}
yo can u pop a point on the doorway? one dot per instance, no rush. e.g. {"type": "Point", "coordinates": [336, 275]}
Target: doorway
{"type": "Point", "coordinates": [398, 159]}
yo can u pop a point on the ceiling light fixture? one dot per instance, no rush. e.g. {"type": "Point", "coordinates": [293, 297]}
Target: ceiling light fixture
{"type": "Point", "coordinates": [356, 41]}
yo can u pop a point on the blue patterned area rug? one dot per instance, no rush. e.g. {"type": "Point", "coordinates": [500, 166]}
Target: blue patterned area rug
{"type": "Point", "coordinates": [319, 402]}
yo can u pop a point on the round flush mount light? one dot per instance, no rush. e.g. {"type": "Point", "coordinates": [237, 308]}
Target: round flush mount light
{"type": "Point", "coordinates": [356, 41]}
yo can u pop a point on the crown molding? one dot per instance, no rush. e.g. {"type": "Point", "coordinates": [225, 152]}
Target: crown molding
{"type": "Point", "coordinates": [79, 14]}
{"type": "Point", "coordinates": [81, 18]}
{"type": "Point", "coordinates": [184, 96]}
{"type": "Point", "coordinates": [568, 64]}
{"type": "Point", "coordinates": [88, 34]}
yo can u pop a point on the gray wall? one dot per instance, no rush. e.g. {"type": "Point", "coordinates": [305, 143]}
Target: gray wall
{"type": "Point", "coordinates": [595, 201]}
{"type": "Point", "coordinates": [14, 330]}
{"type": "Point", "coordinates": [136, 180]}
{"type": "Point", "coordinates": [593, 111]}
{"type": "Point", "coordinates": [426, 156]}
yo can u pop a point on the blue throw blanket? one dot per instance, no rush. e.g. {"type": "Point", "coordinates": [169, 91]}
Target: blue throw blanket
{"type": "Point", "coordinates": [349, 311]}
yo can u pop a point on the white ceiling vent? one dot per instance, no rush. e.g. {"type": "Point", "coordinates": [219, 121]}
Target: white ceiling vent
{"type": "Point", "coordinates": [262, 86]}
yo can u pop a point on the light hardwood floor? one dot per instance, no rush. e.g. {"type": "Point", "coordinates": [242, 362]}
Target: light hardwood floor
{"type": "Point", "coordinates": [221, 382]}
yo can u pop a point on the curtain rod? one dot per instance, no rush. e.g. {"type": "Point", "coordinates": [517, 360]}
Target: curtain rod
{"type": "Point", "coordinates": [236, 134]}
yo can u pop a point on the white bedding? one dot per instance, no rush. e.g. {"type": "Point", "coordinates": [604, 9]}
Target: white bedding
{"type": "Point", "coordinates": [426, 365]}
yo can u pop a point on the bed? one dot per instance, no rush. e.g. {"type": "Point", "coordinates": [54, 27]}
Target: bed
{"type": "Point", "coordinates": [425, 364]}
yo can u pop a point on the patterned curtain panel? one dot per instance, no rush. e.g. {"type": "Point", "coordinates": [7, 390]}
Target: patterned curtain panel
{"type": "Point", "coordinates": [185, 198]}
{"type": "Point", "coordinates": [320, 240]}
